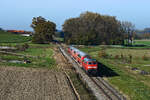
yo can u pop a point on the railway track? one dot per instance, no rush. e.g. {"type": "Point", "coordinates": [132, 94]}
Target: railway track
{"type": "Point", "coordinates": [106, 91]}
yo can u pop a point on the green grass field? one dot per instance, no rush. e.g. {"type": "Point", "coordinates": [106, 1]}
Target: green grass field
{"type": "Point", "coordinates": [142, 42]}
{"type": "Point", "coordinates": [42, 53]}
{"type": "Point", "coordinates": [134, 85]}
{"type": "Point", "coordinates": [6, 37]}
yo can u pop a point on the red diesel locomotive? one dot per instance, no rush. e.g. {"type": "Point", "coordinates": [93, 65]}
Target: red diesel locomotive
{"type": "Point", "coordinates": [85, 61]}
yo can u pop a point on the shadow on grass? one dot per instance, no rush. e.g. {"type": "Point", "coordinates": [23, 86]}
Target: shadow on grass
{"type": "Point", "coordinates": [139, 45]}
{"type": "Point", "coordinates": [104, 71]}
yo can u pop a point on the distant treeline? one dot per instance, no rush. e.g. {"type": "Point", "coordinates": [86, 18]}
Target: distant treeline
{"type": "Point", "coordinates": [146, 30]}
{"type": "Point", "coordinates": [143, 34]}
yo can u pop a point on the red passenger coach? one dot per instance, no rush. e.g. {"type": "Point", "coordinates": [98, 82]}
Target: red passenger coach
{"type": "Point", "coordinates": [88, 64]}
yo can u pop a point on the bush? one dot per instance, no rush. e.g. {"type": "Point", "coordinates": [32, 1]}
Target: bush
{"type": "Point", "coordinates": [144, 57]}
{"type": "Point", "coordinates": [22, 47]}
{"type": "Point", "coordinates": [116, 56]}
{"type": "Point", "coordinates": [26, 46]}
{"type": "Point", "coordinates": [130, 58]}
{"type": "Point", "coordinates": [122, 56]}
{"type": "Point", "coordinates": [102, 54]}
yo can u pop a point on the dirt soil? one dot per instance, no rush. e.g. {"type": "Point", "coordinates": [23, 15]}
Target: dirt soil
{"type": "Point", "coordinates": [18, 83]}
{"type": "Point", "coordinates": [62, 63]}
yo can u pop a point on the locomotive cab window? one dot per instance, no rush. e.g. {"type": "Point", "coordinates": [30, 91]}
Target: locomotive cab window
{"type": "Point", "coordinates": [90, 63]}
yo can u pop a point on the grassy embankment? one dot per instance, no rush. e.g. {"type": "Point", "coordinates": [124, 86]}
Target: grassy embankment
{"type": "Point", "coordinates": [84, 93]}
{"type": "Point", "coordinates": [133, 84]}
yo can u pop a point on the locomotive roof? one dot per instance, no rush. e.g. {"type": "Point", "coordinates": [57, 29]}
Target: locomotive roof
{"type": "Point", "coordinates": [87, 59]}
{"type": "Point", "coordinates": [78, 51]}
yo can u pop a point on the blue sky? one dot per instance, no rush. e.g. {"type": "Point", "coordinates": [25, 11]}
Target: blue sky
{"type": "Point", "coordinates": [18, 14]}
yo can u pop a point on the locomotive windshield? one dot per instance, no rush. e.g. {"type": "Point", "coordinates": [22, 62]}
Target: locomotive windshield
{"type": "Point", "coordinates": [92, 63]}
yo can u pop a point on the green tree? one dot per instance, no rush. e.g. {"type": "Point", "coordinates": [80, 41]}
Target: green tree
{"type": "Point", "coordinates": [1, 29]}
{"type": "Point", "coordinates": [92, 29]}
{"type": "Point", "coordinates": [43, 30]}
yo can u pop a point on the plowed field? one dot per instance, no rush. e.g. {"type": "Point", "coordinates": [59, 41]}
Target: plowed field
{"type": "Point", "coordinates": [18, 83]}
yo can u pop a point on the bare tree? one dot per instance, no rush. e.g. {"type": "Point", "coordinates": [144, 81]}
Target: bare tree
{"type": "Point", "coordinates": [128, 30]}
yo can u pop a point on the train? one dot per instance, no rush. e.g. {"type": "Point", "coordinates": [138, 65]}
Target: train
{"type": "Point", "coordinates": [84, 60]}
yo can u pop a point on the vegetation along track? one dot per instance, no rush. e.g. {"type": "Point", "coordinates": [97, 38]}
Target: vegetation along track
{"type": "Point", "coordinates": [105, 89]}
{"type": "Point", "coordinates": [65, 65]}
